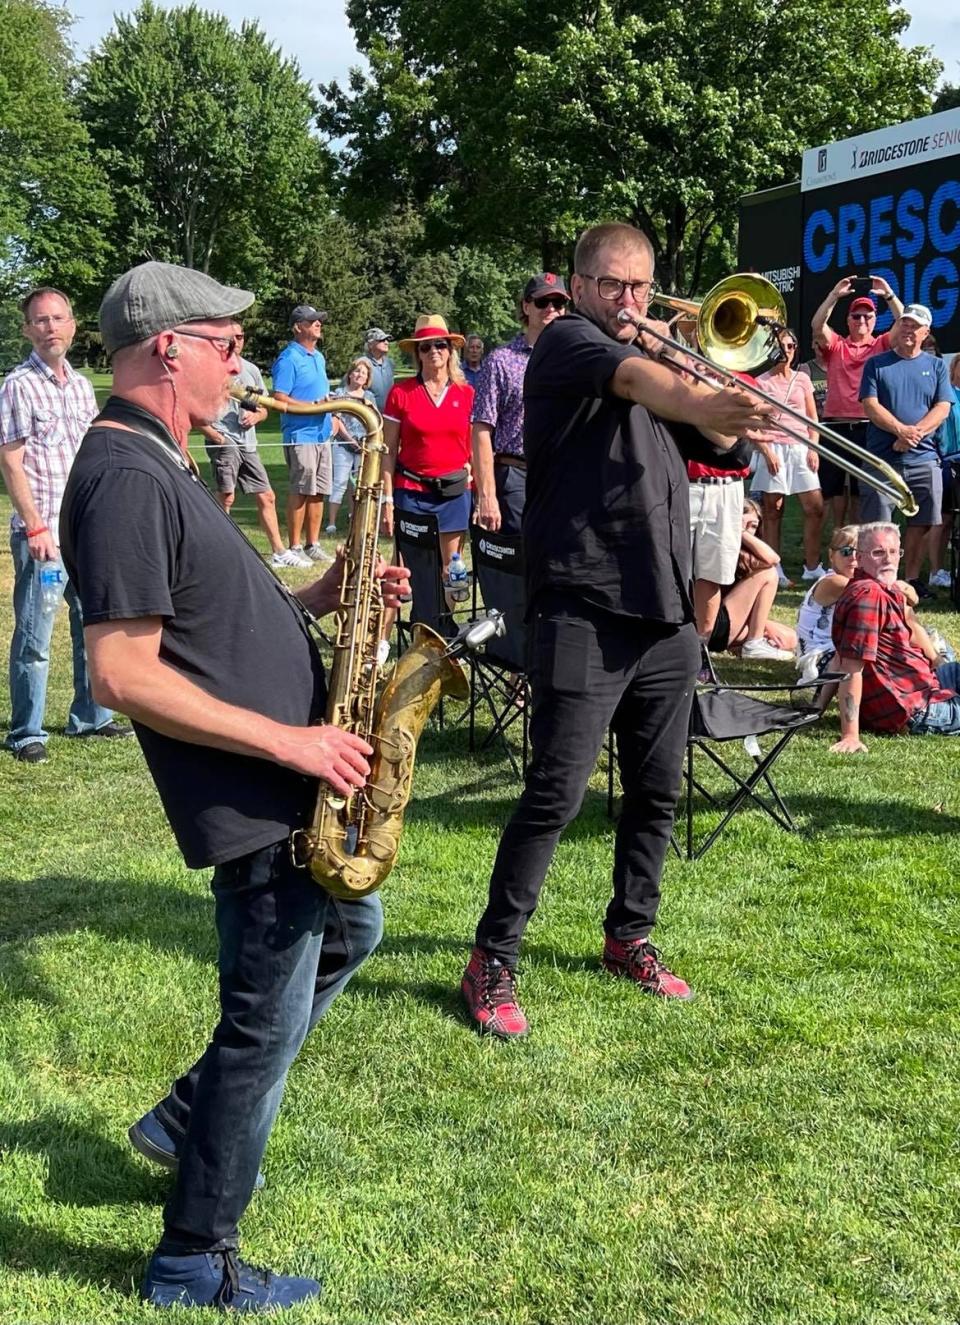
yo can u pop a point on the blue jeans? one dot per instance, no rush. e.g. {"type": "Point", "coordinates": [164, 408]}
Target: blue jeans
{"type": "Point", "coordinates": [30, 657]}
{"type": "Point", "coordinates": [287, 949]}
{"type": "Point", "coordinates": [942, 716]}
{"type": "Point", "coordinates": [346, 466]}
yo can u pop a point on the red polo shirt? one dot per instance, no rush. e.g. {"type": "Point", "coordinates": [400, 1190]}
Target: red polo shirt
{"type": "Point", "coordinates": [434, 437]}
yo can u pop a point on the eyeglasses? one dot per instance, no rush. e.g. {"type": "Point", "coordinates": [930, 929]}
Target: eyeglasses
{"type": "Point", "coordinates": [861, 317]}
{"type": "Point", "coordinates": [439, 345]}
{"type": "Point", "coordinates": [881, 554]}
{"type": "Point", "coordinates": [51, 320]}
{"type": "Point", "coordinates": [846, 550]}
{"type": "Point", "coordinates": [609, 288]}
{"type": "Point", "coordinates": [224, 345]}
{"type": "Point", "coordinates": [789, 344]}
{"type": "Point", "coordinates": [550, 301]}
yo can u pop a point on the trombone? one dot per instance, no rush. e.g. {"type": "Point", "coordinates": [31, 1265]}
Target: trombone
{"type": "Point", "coordinates": [737, 325]}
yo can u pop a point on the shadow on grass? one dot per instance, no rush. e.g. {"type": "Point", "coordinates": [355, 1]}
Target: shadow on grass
{"type": "Point", "coordinates": [40, 1252]}
{"type": "Point", "coordinates": [84, 1168]}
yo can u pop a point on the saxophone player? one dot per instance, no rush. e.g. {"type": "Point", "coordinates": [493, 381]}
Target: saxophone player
{"type": "Point", "coordinates": [234, 755]}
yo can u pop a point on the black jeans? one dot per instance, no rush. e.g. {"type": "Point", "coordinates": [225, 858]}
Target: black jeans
{"type": "Point", "coordinates": [511, 485]}
{"type": "Point", "coordinates": [590, 668]}
{"type": "Point", "coordinates": [287, 948]}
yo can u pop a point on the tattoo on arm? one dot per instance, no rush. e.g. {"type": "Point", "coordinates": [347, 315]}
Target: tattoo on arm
{"type": "Point", "coordinates": [850, 708]}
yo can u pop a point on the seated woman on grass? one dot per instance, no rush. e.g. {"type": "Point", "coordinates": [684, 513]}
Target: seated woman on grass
{"type": "Point", "coordinates": [815, 615]}
{"type": "Point", "coordinates": [743, 623]}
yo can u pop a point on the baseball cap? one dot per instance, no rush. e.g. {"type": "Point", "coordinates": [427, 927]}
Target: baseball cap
{"type": "Point", "coordinates": [919, 313]}
{"type": "Point", "coordinates": [159, 295]}
{"type": "Point", "coordinates": [376, 333]}
{"type": "Point", "coordinates": [307, 313]}
{"type": "Point", "coordinates": [545, 282]}
{"type": "Point", "coordinates": [863, 305]}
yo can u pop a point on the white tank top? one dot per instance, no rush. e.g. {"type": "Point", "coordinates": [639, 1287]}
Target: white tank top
{"type": "Point", "coordinates": [814, 624]}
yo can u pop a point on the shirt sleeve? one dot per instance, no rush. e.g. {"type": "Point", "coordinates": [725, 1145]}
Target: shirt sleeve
{"type": "Point", "coordinates": [120, 547]}
{"type": "Point", "coordinates": [575, 359]}
{"type": "Point", "coordinates": [945, 392]}
{"type": "Point", "coordinates": [486, 408]}
{"type": "Point", "coordinates": [15, 413]}
{"type": "Point", "coordinates": [868, 383]}
{"type": "Point", "coordinates": [393, 409]}
{"type": "Point", "coordinates": [856, 622]}
{"type": "Point", "coordinates": [284, 374]}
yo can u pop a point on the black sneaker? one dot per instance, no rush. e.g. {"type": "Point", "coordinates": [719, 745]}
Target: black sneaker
{"type": "Point", "coordinates": [34, 752]}
{"type": "Point", "coordinates": [110, 731]}
{"type": "Point", "coordinates": [220, 1279]}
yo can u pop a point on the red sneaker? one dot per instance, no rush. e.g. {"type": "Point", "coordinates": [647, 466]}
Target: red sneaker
{"type": "Point", "coordinates": [490, 989]}
{"type": "Point", "coordinates": [639, 960]}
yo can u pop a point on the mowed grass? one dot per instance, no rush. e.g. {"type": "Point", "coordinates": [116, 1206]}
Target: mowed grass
{"type": "Point", "coordinates": [783, 1149]}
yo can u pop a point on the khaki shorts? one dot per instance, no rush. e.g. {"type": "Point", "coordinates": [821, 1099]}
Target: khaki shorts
{"type": "Point", "coordinates": [794, 475]}
{"type": "Point", "coordinates": [310, 466]}
{"type": "Point", "coordinates": [716, 513]}
{"type": "Point", "coordinates": [233, 467]}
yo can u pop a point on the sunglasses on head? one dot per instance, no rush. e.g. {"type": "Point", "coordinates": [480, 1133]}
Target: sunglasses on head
{"type": "Point", "coordinates": [433, 345]}
{"type": "Point", "coordinates": [550, 301]}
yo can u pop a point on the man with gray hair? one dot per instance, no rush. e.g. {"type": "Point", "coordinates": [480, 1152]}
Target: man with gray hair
{"type": "Point", "coordinates": [894, 681]}
{"type": "Point", "coordinates": [235, 756]}
{"type": "Point", "coordinates": [377, 353]}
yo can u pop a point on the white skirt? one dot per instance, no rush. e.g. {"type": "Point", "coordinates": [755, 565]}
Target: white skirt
{"type": "Point", "coordinates": [794, 475]}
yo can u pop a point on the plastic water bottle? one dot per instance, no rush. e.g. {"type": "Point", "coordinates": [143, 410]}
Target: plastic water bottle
{"type": "Point", "coordinates": [52, 581]}
{"type": "Point", "coordinates": [457, 578]}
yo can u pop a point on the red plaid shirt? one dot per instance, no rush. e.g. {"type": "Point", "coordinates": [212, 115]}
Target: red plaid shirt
{"type": "Point", "coordinates": [50, 417]}
{"type": "Point", "coordinates": [870, 623]}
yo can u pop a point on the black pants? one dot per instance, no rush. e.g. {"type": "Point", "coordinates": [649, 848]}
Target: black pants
{"type": "Point", "coordinates": [589, 668]}
{"type": "Point", "coordinates": [511, 486]}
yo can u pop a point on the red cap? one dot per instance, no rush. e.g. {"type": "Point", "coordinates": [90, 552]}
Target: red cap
{"type": "Point", "coordinates": [863, 305]}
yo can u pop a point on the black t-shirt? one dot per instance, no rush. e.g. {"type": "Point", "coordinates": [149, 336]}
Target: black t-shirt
{"type": "Point", "coordinates": [607, 506]}
{"type": "Point", "coordinates": [142, 537]}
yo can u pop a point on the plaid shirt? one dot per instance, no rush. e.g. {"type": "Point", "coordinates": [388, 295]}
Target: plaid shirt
{"type": "Point", "coordinates": [50, 417]}
{"type": "Point", "coordinates": [870, 623]}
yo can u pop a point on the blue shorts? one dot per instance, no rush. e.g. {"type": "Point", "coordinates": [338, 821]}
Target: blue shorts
{"type": "Point", "coordinates": [453, 513]}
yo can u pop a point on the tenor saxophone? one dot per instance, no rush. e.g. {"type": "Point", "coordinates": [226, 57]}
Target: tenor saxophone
{"type": "Point", "coordinates": [351, 844]}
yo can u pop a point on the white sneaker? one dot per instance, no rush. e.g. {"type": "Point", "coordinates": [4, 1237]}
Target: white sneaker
{"type": "Point", "coordinates": [783, 579]}
{"type": "Point", "coordinates": [316, 553]}
{"type": "Point", "coordinates": [289, 557]}
{"type": "Point", "coordinates": [816, 574]}
{"type": "Point", "coordinates": [330, 529]}
{"type": "Point", "coordinates": [941, 580]}
{"type": "Point", "coordinates": [383, 652]}
{"type": "Point", "coordinates": [759, 648]}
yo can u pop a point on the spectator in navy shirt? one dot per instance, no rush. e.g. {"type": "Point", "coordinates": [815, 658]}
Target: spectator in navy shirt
{"type": "Point", "coordinates": [472, 358]}
{"type": "Point", "coordinates": [906, 395]}
{"type": "Point", "coordinates": [377, 354]}
{"type": "Point", "coordinates": [499, 467]}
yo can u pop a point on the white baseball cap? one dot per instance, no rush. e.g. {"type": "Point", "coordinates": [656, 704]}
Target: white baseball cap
{"type": "Point", "coordinates": [918, 313]}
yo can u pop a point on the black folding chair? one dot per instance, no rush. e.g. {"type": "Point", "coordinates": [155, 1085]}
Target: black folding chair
{"type": "Point", "coordinates": [723, 714]}
{"type": "Point", "coordinates": [498, 676]}
{"type": "Point", "coordinates": [418, 547]}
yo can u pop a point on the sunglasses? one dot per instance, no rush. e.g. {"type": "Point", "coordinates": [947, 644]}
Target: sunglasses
{"type": "Point", "coordinates": [862, 317]}
{"type": "Point", "coordinates": [550, 301]}
{"type": "Point", "coordinates": [845, 549]}
{"type": "Point", "coordinates": [224, 345]}
{"type": "Point", "coordinates": [439, 345]}
{"type": "Point", "coordinates": [789, 344]}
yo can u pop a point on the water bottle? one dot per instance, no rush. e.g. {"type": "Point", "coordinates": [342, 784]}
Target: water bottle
{"type": "Point", "coordinates": [457, 578]}
{"type": "Point", "coordinates": [52, 581]}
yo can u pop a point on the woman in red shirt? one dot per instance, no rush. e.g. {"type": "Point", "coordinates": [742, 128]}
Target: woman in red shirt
{"type": "Point", "coordinates": [426, 427]}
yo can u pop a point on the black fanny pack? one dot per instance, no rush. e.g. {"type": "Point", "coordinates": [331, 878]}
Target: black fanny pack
{"type": "Point", "coordinates": [440, 485]}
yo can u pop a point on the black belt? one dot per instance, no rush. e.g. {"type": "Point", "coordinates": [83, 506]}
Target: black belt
{"type": "Point", "coordinates": [504, 458]}
{"type": "Point", "coordinates": [718, 478]}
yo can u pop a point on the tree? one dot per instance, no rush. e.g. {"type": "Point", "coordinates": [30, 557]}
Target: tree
{"type": "Point", "coordinates": [53, 200]}
{"type": "Point", "coordinates": [948, 98]}
{"type": "Point", "coordinates": [205, 134]}
{"type": "Point", "coordinates": [539, 123]}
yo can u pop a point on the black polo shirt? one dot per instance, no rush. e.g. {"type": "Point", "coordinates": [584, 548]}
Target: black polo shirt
{"type": "Point", "coordinates": [607, 513]}
{"type": "Point", "coordinates": [142, 537]}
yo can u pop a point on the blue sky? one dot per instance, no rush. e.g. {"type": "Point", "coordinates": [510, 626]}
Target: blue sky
{"type": "Point", "coordinates": [317, 36]}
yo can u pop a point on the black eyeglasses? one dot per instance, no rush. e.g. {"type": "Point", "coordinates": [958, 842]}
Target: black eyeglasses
{"type": "Point", "coordinates": [550, 301]}
{"type": "Point", "coordinates": [846, 550]}
{"type": "Point", "coordinates": [608, 287]}
{"type": "Point", "coordinates": [225, 345]}
{"type": "Point", "coordinates": [789, 344]}
{"type": "Point", "coordinates": [433, 345]}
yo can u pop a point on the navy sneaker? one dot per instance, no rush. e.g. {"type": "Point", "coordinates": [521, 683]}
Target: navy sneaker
{"type": "Point", "coordinates": [160, 1145]}
{"type": "Point", "coordinates": [220, 1279]}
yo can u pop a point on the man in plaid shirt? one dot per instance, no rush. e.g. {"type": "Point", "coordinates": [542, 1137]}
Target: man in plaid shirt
{"type": "Point", "coordinates": [891, 683]}
{"type": "Point", "coordinates": [45, 409]}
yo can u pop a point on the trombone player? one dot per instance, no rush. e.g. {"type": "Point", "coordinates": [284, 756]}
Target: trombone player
{"type": "Point", "coordinates": [607, 434]}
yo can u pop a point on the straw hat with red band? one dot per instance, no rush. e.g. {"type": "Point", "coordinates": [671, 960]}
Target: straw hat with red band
{"type": "Point", "coordinates": [430, 326]}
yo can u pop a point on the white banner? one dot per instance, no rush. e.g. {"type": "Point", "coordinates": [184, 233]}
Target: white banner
{"type": "Point", "coordinates": [899, 145]}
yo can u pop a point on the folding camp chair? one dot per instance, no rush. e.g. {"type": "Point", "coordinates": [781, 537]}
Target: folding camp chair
{"type": "Point", "coordinates": [418, 547]}
{"type": "Point", "coordinates": [723, 714]}
{"type": "Point", "coordinates": [498, 676]}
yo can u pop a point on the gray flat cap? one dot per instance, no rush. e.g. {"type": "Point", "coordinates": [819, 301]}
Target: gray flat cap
{"type": "Point", "coordinates": [159, 295]}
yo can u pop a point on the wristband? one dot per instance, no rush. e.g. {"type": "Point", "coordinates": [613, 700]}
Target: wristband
{"type": "Point", "coordinates": [32, 533]}
{"type": "Point", "coordinates": [386, 501]}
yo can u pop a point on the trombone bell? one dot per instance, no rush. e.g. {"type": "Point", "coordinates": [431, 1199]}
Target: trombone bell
{"type": "Point", "coordinates": [737, 322]}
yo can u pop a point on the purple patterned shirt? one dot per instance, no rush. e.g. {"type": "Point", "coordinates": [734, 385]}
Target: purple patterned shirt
{"type": "Point", "coordinates": [499, 395]}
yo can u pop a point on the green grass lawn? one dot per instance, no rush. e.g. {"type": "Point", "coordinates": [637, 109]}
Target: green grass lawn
{"type": "Point", "coordinates": [783, 1149]}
